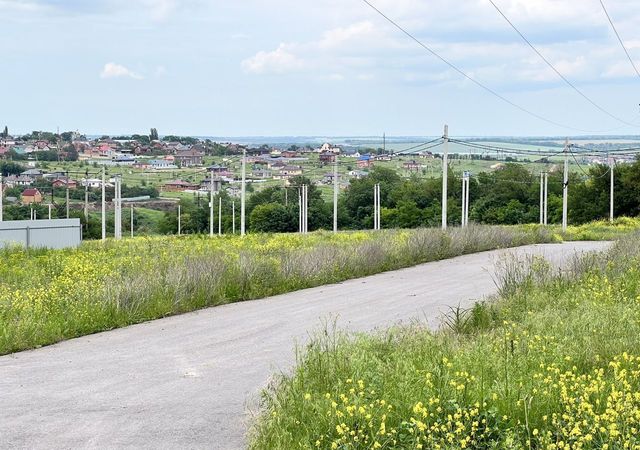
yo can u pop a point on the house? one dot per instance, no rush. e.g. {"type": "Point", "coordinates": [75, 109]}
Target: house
{"type": "Point", "coordinates": [65, 183]}
{"type": "Point", "coordinates": [365, 162]}
{"type": "Point", "coordinates": [31, 195]}
{"type": "Point", "coordinates": [124, 160]}
{"type": "Point", "coordinates": [289, 154]}
{"type": "Point", "coordinates": [13, 181]}
{"type": "Point", "coordinates": [206, 184]}
{"type": "Point", "coordinates": [326, 147]}
{"type": "Point", "coordinates": [261, 173]}
{"type": "Point", "coordinates": [32, 173]}
{"type": "Point", "coordinates": [94, 183]}
{"type": "Point", "coordinates": [327, 157]}
{"type": "Point", "coordinates": [412, 166]}
{"type": "Point", "coordinates": [179, 186]}
{"type": "Point", "coordinates": [287, 172]}
{"type": "Point", "coordinates": [189, 158]}
{"type": "Point", "coordinates": [276, 165]}
{"type": "Point", "coordinates": [162, 164]}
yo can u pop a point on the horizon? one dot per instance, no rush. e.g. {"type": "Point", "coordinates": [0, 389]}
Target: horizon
{"type": "Point", "coordinates": [197, 68]}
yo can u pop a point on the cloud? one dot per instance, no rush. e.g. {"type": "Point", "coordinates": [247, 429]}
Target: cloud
{"type": "Point", "coordinates": [280, 60]}
{"type": "Point", "coordinates": [113, 70]}
{"type": "Point", "coordinates": [160, 10]}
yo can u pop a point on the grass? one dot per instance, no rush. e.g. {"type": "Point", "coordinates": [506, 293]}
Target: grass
{"type": "Point", "coordinates": [554, 363]}
{"type": "Point", "coordinates": [50, 295]}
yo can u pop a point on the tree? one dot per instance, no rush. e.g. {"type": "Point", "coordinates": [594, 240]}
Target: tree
{"type": "Point", "coordinates": [5, 133]}
{"type": "Point", "coordinates": [270, 218]}
{"type": "Point", "coordinates": [153, 135]}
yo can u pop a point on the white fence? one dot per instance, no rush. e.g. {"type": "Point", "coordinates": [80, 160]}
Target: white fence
{"type": "Point", "coordinates": [58, 233]}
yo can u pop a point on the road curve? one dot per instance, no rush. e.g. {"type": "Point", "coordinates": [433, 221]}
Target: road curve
{"type": "Point", "coordinates": [189, 381]}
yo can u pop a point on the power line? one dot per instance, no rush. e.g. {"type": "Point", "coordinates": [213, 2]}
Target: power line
{"type": "Point", "coordinates": [584, 171]}
{"type": "Point", "coordinates": [417, 146]}
{"type": "Point", "coordinates": [470, 78]}
{"type": "Point", "coordinates": [548, 63]}
{"type": "Point", "coordinates": [606, 13]}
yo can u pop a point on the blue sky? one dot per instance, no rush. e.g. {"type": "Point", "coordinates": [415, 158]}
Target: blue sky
{"type": "Point", "coordinates": [321, 67]}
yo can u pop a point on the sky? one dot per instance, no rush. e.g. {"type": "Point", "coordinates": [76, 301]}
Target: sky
{"type": "Point", "coordinates": [316, 67]}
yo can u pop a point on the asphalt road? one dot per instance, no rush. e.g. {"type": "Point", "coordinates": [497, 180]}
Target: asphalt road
{"type": "Point", "coordinates": [190, 381]}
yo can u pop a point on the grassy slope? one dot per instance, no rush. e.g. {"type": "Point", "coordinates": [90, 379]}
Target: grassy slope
{"type": "Point", "coordinates": [48, 296]}
{"type": "Point", "coordinates": [554, 364]}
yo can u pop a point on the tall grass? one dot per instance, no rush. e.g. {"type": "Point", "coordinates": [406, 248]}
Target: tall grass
{"type": "Point", "coordinates": [554, 363]}
{"type": "Point", "coordinates": [48, 296]}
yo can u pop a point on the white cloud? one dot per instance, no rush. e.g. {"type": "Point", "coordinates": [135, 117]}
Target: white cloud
{"type": "Point", "coordinates": [160, 10]}
{"type": "Point", "coordinates": [280, 60]}
{"type": "Point", "coordinates": [340, 36]}
{"type": "Point", "coordinates": [113, 70]}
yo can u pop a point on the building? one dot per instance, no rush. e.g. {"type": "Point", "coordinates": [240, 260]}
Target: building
{"type": "Point", "coordinates": [365, 162]}
{"type": "Point", "coordinates": [327, 157]}
{"type": "Point", "coordinates": [20, 180]}
{"type": "Point", "coordinates": [189, 158]}
{"type": "Point", "coordinates": [124, 160]}
{"type": "Point", "coordinates": [65, 183]}
{"type": "Point", "coordinates": [32, 173]}
{"type": "Point", "coordinates": [30, 196]}
{"type": "Point", "coordinates": [326, 147]}
{"type": "Point", "coordinates": [162, 164]}
{"type": "Point", "coordinates": [179, 186]}
{"type": "Point", "coordinates": [287, 172]}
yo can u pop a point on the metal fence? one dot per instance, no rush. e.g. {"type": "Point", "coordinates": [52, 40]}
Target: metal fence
{"type": "Point", "coordinates": [58, 233]}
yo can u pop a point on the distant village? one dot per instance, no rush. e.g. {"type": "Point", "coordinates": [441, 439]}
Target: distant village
{"type": "Point", "coordinates": [149, 153]}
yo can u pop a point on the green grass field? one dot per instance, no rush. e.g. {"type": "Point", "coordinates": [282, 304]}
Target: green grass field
{"type": "Point", "coordinates": [50, 295]}
{"type": "Point", "coordinates": [553, 363]}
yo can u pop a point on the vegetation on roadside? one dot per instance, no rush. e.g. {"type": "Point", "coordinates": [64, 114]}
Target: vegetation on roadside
{"type": "Point", "coordinates": [554, 363]}
{"type": "Point", "coordinates": [50, 295]}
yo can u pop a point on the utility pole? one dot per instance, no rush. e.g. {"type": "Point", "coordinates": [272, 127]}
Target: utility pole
{"type": "Point", "coordinates": [131, 220]}
{"type": "Point", "coordinates": [541, 198]}
{"type": "Point", "coordinates": [67, 195]}
{"type": "Point", "coordinates": [546, 197]}
{"type": "Point", "coordinates": [86, 202]}
{"type": "Point", "coordinates": [465, 199]}
{"type": "Point", "coordinates": [300, 209]}
{"type": "Point", "coordinates": [104, 208]}
{"type": "Point", "coordinates": [117, 211]}
{"type": "Point", "coordinates": [1, 195]}
{"type": "Point", "coordinates": [305, 210]}
{"type": "Point", "coordinates": [379, 209]}
{"type": "Point", "coordinates": [445, 169]}
{"type": "Point", "coordinates": [219, 215]}
{"type": "Point", "coordinates": [375, 207]}
{"type": "Point", "coordinates": [211, 205]}
{"type": "Point", "coordinates": [243, 193]}
{"type": "Point", "coordinates": [49, 205]}
{"type": "Point", "coordinates": [335, 194]}
{"type": "Point", "coordinates": [565, 186]}
{"type": "Point", "coordinates": [233, 216]}
{"type": "Point", "coordinates": [179, 221]}
{"type": "Point", "coordinates": [611, 167]}
{"type": "Point", "coordinates": [377, 225]}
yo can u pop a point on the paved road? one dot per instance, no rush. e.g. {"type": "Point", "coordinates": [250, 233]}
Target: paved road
{"type": "Point", "coordinates": [188, 381]}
